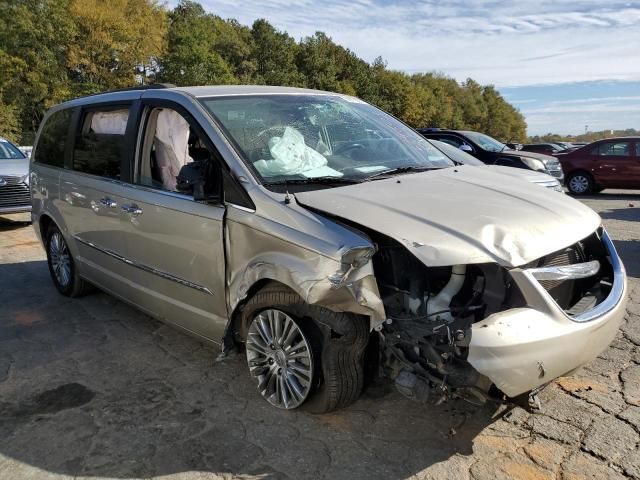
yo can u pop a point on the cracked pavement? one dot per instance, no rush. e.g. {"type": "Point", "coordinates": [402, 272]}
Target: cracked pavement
{"type": "Point", "coordinates": [91, 388]}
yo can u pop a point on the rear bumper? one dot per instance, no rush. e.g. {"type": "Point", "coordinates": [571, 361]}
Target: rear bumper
{"type": "Point", "coordinates": [524, 348]}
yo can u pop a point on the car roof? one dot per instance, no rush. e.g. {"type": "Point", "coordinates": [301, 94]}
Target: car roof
{"type": "Point", "coordinates": [636, 137]}
{"type": "Point", "coordinates": [133, 93]}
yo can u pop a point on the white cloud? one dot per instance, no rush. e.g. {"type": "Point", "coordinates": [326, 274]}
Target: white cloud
{"type": "Point", "coordinates": [504, 43]}
{"type": "Point", "coordinates": [520, 43]}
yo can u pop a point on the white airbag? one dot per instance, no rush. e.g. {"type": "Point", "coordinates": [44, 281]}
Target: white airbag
{"type": "Point", "coordinates": [171, 146]}
{"type": "Point", "coordinates": [292, 156]}
{"type": "Point", "coordinates": [110, 123]}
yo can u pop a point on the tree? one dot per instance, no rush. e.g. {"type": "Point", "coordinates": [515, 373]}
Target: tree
{"type": "Point", "coordinates": [113, 41]}
{"type": "Point", "coordinates": [274, 54]}
{"type": "Point", "coordinates": [33, 49]}
{"type": "Point", "coordinates": [191, 58]}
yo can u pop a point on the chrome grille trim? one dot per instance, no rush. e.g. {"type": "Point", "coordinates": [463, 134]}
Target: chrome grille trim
{"type": "Point", "coordinates": [615, 295]}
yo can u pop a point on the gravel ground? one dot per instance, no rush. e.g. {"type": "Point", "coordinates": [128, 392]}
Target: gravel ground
{"type": "Point", "coordinates": [91, 388]}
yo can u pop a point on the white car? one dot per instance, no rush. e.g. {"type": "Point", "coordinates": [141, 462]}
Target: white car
{"type": "Point", "coordinates": [464, 158]}
{"type": "Point", "coordinates": [14, 179]}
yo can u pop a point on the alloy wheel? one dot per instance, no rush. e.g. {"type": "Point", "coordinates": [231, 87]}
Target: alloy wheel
{"type": "Point", "coordinates": [579, 184]}
{"type": "Point", "coordinates": [279, 357]}
{"type": "Point", "coordinates": [60, 259]}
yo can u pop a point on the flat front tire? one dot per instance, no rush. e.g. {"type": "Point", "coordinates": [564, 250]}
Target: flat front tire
{"type": "Point", "coordinates": [303, 355]}
{"type": "Point", "coordinates": [61, 265]}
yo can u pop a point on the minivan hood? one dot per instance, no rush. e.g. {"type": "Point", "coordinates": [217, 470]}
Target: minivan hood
{"type": "Point", "coordinates": [15, 168]}
{"type": "Point", "coordinates": [461, 215]}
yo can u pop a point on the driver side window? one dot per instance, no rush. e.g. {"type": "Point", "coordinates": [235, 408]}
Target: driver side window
{"type": "Point", "coordinates": [169, 144]}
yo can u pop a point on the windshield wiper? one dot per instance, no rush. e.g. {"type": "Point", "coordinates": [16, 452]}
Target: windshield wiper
{"type": "Point", "coordinates": [398, 171]}
{"type": "Point", "coordinates": [314, 180]}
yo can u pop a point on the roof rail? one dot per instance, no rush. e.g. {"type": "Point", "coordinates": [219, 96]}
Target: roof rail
{"type": "Point", "coordinates": [150, 86]}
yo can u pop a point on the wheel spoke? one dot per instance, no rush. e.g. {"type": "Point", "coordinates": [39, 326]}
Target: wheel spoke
{"type": "Point", "coordinates": [279, 358]}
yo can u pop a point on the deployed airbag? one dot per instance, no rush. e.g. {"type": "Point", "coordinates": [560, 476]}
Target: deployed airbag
{"type": "Point", "coordinates": [171, 146]}
{"type": "Point", "coordinates": [292, 156]}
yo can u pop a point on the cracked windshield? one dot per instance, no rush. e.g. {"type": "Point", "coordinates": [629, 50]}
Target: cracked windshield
{"type": "Point", "coordinates": [309, 138]}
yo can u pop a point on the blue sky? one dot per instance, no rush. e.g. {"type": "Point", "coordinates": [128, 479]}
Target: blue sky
{"type": "Point", "coordinates": [564, 63]}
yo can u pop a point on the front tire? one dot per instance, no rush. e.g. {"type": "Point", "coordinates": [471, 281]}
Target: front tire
{"type": "Point", "coordinates": [61, 265]}
{"type": "Point", "coordinates": [580, 183]}
{"type": "Point", "coordinates": [327, 346]}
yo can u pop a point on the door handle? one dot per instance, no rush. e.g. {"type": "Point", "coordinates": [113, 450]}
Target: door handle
{"type": "Point", "coordinates": [107, 202]}
{"type": "Point", "coordinates": [132, 210]}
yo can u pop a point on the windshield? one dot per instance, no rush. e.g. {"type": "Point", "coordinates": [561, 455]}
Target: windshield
{"type": "Point", "coordinates": [306, 137]}
{"type": "Point", "coordinates": [486, 142]}
{"type": "Point", "coordinates": [9, 151]}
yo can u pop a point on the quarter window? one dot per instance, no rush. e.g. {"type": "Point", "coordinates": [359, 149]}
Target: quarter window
{"type": "Point", "coordinates": [51, 143]}
{"type": "Point", "coordinates": [100, 143]}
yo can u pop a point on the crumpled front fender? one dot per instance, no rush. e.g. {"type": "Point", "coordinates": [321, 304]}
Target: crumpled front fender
{"type": "Point", "coordinates": [254, 254]}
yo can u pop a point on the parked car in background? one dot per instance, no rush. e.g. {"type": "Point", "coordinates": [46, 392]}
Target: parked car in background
{"type": "Point", "coordinates": [546, 148]}
{"type": "Point", "coordinates": [492, 152]}
{"type": "Point", "coordinates": [566, 145]}
{"type": "Point", "coordinates": [26, 150]}
{"type": "Point", "coordinates": [14, 179]}
{"type": "Point", "coordinates": [308, 228]}
{"type": "Point", "coordinates": [610, 163]}
{"type": "Point", "coordinates": [463, 158]}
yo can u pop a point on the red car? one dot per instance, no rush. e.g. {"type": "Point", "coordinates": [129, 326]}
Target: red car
{"type": "Point", "coordinates": [610, 163]}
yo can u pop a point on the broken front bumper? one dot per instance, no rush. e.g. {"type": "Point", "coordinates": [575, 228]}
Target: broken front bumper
{"type": "Point", "coordinates": [523, 348]}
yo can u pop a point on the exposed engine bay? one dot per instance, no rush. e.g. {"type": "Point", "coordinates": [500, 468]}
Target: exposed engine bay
{"type": "Point", "coordinates": [431, 310]}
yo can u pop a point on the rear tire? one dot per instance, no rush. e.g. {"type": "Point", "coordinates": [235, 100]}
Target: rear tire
{"type": "Point", "coordinates": [61, 265]}
{"type": "Point", "coordinates": [580, 183]}
{"type": "Point", "coordinates": [337, 340]}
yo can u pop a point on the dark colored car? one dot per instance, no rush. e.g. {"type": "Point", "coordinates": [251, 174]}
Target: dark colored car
{"type": "Point", "coordinates": [546, 148]}
{"type": "Point", "coordinates": [492, 152]}
{"type": "Point", "coordinates": [610, 163]}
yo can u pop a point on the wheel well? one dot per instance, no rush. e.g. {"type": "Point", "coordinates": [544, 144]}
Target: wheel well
{"type": "Point", "coordinates": [234, 333]}
{"type": "Point", "coordinates": [44, 223]}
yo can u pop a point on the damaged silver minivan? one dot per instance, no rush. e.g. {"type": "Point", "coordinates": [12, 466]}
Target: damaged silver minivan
{"type": "Point", "coordinates": [324, 238]}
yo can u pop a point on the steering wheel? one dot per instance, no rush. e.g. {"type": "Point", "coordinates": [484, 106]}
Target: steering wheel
{"type": "Point", "coordinates": [347, 148]}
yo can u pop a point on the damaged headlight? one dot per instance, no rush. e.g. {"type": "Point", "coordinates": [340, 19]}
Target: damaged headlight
{"type": "Point", "coordinates": [352, 259]}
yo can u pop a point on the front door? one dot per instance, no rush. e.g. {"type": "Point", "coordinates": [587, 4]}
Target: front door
{"type": "Point", "coordinates": [175, 243]}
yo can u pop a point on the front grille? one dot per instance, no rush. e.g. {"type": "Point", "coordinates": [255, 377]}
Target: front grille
{"type": "Point", "coordinates": [556, 173]}
{"type": "Point", "coordinates": [15, 193]}
{"type": "Point", "coordinates": [577, 295]}
{"type": "Point", "coordinates": [568, 256]}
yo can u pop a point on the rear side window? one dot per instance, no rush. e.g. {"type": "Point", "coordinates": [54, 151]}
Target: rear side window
{"type": "Point", "coordinates": [51, 143]}
{"type": "Point", "coordinates": [100, 142]}
{"type": "Point", "coordinates": [615, 149]}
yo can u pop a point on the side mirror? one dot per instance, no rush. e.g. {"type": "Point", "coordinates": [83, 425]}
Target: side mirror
{"type": "Point", "coordinates": [195, 178]}
{"type": "Point", "coordinates": [466, 148]}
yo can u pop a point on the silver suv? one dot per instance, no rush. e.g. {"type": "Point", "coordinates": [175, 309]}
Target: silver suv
{"type": "Point", "coordinates": [313, 231]}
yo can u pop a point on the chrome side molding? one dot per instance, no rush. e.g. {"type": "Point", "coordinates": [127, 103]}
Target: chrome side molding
{"type": "Point", "coordinates": [566, 272]}
{"type": "Point", "coordinates": [145, 268]}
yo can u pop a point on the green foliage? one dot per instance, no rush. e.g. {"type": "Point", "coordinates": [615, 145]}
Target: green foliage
{"type": "Point", "coordinates": [53, 50]}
